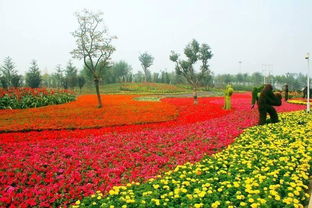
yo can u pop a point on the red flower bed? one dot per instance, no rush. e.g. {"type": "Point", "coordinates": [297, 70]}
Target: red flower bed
{"type": "Point", "coordinates": [50, 172]}
{"type": "Point", "coordinates": [117, 110]}
{"type": "Point", "coordinates": [188, 113]}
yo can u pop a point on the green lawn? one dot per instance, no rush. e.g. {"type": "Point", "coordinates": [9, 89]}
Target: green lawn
{"type": "Point", "coordinates": [146, 88]}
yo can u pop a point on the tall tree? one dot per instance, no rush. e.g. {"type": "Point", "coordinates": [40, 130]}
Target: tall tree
{"type": "Point", "coordinates": [81, 82]}
{"type": "Point", "coordinates": [146, 61]}
{"type": "Point", "coordinates": [16, 80]}
{"type": "Point", "coordinates": [93, 45]}
{"type": "Point", "coordinates": [121, 70]}
{"type": "Point", "coordinates": [58, 77]}
{"type": "Point", "coordinates": [257, 78]}
{"type": "Point", "coordinates": [71, 75]}
{"type": "Point", "coordinates": [9, 73]}
{"type": "Point", "coordinates": [193, 52]}
{"type": "Point", "coordinates": [33, 77]}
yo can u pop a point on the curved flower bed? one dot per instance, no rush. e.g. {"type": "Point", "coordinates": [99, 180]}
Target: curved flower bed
{"type": "Point", "coordinates": [20, 98]}
{"type": "Point", "coordinates": [117, 110]}
{"type": "Point", "coordinates": [267, 166]}
{"type": "Point", "coordinates": [183, 107]}
{"type": "Point", "coordinates": [59, 170]}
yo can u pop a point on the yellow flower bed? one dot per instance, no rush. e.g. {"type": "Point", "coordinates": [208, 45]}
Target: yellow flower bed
{"type": "Point", "coordinates": [267, 166]}
{"type": "Point", "coordinates": [300, 102]}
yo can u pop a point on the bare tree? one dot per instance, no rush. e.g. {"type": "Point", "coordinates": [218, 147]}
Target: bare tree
{"type": "Point", "coordinates": [93, 45]}
{"type": "Point", "coordinates": [146, 61]}
{"type": "Point", "coordinates": [194, 52]}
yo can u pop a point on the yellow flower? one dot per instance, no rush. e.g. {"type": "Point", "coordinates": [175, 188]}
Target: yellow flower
{"type": "Point", "coordinates": [202, 194]}
{"type": "Point", "coordinates": [254, 205]}
{"type": "Point", "coordinates": [198, 205]}
{"type": "Point", "coordinates": [156, 186]}
{"type": "Point", "coordinates": [215, 204]}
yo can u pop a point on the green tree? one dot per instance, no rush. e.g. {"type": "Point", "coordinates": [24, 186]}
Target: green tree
{"type": "Point", "coordinates": [9, 73]}
{"type": "Point", "coordinates": [58, 76]}
{"type": "Point", "coordinates": [81, 82]}
{"type": "Point", "coordinates": [146, 61]}
{"type": "Point", "coordinates": [71, 75]}
{"type": "Point", "coordinates": [121, 71]}
{"type": "Point", "coordinates": [194, 52]}
{"type": "Point", "coordinates": [4, 82]}
{"type": "Point", "coordinates": [93, 45]}
{"type": "Point", "coordinates": [16, 80]}
{"type": "Point", "coordinates": [257, 78]}
{"type": "Point", "coordinates": [239, 78]}
{"type": "Point", "coordinates": [33, 77]}
{"type": "Point", "coordinates": [47, 80]}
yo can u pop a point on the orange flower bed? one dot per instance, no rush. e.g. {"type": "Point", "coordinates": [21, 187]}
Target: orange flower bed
{"type": "Point", "coordinates": [117, 110]}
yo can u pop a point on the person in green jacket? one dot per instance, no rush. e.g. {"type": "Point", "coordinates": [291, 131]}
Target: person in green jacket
{"type": "Point", "coordinates": [227, 97]}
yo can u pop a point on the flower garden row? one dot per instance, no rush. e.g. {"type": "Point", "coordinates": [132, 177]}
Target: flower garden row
{"type": "Point", "coordinates": [82, 113]}
{"type": "Point", "coordinates": [21, 98]}
{"type": "Point", "coordinates": [53, 168]}
{"type": "Point", "coordinates": [300, 101]}
{"type": "Point", "coordinates": [267, 166]}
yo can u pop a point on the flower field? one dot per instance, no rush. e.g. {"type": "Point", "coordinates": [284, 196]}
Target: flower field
{"type": "Point", "coordinates": [300, 101]}
{"type": "Point", "coordinates": [267, 166]}
{"type": "Point", "coordinates": [54, 168]}
{"type": "Point", "coordinates": [117, 110]}
{"type": "Point", "coordinates": [20, 98]}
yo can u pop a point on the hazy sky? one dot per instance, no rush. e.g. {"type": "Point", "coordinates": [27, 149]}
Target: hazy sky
{"type": "Point", "coordinates": [274, 32]}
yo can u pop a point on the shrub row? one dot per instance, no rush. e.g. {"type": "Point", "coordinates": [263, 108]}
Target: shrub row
{"type": "Point", "coordinates": [20, 98]}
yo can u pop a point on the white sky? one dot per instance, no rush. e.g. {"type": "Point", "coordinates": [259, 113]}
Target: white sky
{"type": "Point", "coordinates": [256, 32]}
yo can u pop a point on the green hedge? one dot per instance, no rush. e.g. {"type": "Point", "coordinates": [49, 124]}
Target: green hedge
{"type": "Point", "coordinates": [20, 98]}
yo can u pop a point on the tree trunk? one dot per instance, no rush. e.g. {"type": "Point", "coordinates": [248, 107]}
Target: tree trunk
{"type": "Point", "coordinates": [195, 96]}
{"type": "Point", "coordinates": [96, 82]}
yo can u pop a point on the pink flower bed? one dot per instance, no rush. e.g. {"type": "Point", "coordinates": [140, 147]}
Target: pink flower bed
{"type": "Point", "coordinates": [52, 172]}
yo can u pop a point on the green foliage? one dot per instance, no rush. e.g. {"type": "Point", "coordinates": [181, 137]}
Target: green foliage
{"type": "Point", "coordinates": [81, 82]}
{"type": "Point", "coordinates": [121, 71]}
{"type": "Point", "coordinates": [194, 52]}
{"type": "Point", "coordinates": [16, 80]}
{"type": "Point", "coordinates": [150, 88]}
{"type": "Point", "coordinates": [255, 94]}
{"type": "Point", "coordinates": [71, 75]}
{"type": "Point", "coordinates": [30, 98]}
{"type": "Point", "coordinates": [4, 82]}
{"type": "Point", "coordinates": [146, 61]}
{"type": "Point", "coordinates": [33, 77]}
{"type": "Point", "coordinates": [9, 77]}
{"type": "Point", "coordinates": [227, 97]}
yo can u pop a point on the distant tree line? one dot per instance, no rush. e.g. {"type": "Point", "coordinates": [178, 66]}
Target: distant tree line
{"type": "Point", "coordinates": [245, 81]}
{"type": "Point", "coordinates": [69, 77]}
